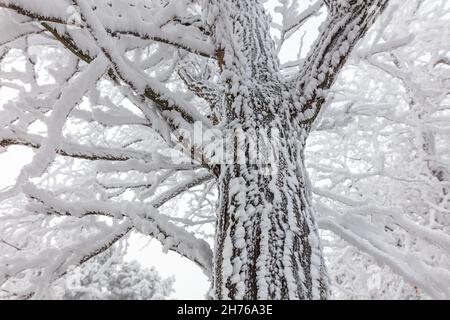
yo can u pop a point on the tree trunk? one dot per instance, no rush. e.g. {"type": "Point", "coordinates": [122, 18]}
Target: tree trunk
{"type": "Point", "coordinates": [267, 244]}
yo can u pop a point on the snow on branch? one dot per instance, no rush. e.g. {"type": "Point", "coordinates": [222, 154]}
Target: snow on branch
{"type": "Point", "coordinates": [16, 137]}
{"type": "Point", "coordinates": [145, 219]}
{"type": "Point", "coordinates": [146, 28]}
{"type": "Point", "coordinates": [346, 24]}
{"type": "Point", "coordinates": [175, 110]}
{"type": "Point", "coordinates": [70, 97]}
{"type": "Point", "coordinates": [362, 234]}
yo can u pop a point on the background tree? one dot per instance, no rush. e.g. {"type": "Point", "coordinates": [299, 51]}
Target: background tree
{"type": "Point", "coordinates": [108, 277]}
{"type": "Point", "coordinates": [114, 96]}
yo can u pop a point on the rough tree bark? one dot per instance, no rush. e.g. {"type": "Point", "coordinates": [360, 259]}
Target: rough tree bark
{"type": "Point", "coordinates": [267, 244]}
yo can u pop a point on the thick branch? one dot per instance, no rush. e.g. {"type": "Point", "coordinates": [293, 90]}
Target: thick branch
{"type": "Point", "coordinates": [347, 23]}
{"type": "Point", "coordinates": [146, 219]}
{"type": "Point", "coordinates": [9, 138]}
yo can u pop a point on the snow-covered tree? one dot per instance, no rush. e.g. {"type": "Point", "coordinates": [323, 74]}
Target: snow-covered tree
{"type": "Point", "coordinates": [133, 105]}
{"type": "Point", "coordinates": [108, 277]}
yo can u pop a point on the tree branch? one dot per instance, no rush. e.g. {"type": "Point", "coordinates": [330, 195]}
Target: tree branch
{"type": "Point", "coordinates": [146, 219]}
{"type": "Point", "coordinates": [15, 137]}
{"type": "Point", "coordinates": [347, 23]}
